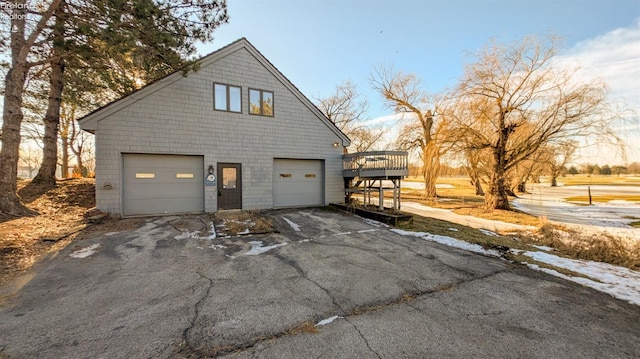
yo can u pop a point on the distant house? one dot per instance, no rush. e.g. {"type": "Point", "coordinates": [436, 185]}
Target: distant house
{"type": "Point", "coordinates": [235, 134]}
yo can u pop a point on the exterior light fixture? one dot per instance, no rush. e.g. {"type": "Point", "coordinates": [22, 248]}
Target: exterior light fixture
{"type": "Point", "coordinates": [336, 144]}
{"type": "Point", "coordinates": [210, 169]}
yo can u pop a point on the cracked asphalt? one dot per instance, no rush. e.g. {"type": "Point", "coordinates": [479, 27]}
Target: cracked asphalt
{"type": "Point", "coordinates": [146, 294]}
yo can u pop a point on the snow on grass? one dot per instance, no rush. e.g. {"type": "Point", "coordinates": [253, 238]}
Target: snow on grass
{"type": "Point", "coordinates": [217, 246]}
{"type": "Point", "coordinates": [296, 227]}
{"type": "Point", "coordinates": [372, 222]}
{"type": "Point", "coordinates": [543, 248]}
{"type": "Point", "coordinates": [109, 234]}
{"type": "Point", "coordinates": [619, 282]}
{"type": "Point", "coordinates": [488, 232]}
{"type": "Point", "coordinates": [449, 241]}
{"type": "Point", "coordinates": [85, 252]}
{"type": "Point", "coordinates": [327, 321]}
{"type": "Point", "coordinates": [453, 229]}
{"type": "Point", "coordinates": [257, 248]}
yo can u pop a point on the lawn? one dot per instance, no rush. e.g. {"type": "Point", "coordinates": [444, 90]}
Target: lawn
{"type": "Point", "coordinates": [457, 194]}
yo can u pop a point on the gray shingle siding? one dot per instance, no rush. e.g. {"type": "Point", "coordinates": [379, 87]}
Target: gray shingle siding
{"type": "Point", "coordinates": [179, 119]}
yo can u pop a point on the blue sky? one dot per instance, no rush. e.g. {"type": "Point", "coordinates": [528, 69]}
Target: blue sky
{"type": "Point", "coordinates": [320, 44]}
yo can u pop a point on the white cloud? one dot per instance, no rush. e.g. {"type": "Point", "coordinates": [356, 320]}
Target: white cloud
{"type": "Point", "coordinates": [614, 57]}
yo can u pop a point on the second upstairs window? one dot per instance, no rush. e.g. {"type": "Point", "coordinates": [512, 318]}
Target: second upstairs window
{"type": "Point", "coordinates": [227, 98]}
{"type": "Point", "coordinates": [260, 102]}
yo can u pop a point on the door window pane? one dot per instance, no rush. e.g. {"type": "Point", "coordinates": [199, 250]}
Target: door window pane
{"type": "Point", "coordinates": [229, 178]}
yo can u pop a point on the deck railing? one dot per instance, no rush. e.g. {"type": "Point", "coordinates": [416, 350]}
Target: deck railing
{"type": "Point", "coordinates": [375, 164]}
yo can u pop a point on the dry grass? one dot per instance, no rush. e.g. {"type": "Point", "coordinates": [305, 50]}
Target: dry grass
{"type": "Point", "coordinates": [513, 216]}
{"type": "Point", "coordinates": [306, 327]}
{"type": "Point", "coordinates": [601, 247]}
{"type": "Point", "coordinates": [606, 248]}
{"type": "Point", "coordinates": [57, 210]}
{"type": "Point", "coordinates": [575, 180]}
{"type": "Point", "coordinates": [243, 222]}
{"type": "Point", "coordinates": [263, 225]}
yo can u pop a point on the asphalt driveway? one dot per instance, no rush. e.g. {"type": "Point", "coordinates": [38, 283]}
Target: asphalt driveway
{"type": "Point", "coordinates": [160, 291]}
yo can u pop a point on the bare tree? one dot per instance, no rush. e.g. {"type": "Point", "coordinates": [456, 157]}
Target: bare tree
{"type": "Point", "coordinates": [403, 94]}
{"type": "Point", "coordinates": [560, 155]}
{"type": "Point", "coordinates": [24, 39]}
{"type": "Point", "coordinates": [346, 109]}
{"type": "Point", "coordinates": [513, 101]}
{"type": "Point", "coordinates": [30, 157]}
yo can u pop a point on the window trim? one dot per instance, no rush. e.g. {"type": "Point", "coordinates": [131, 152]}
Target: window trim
{"type": "Point", "coordinates": [273, 111]}
{"type": "Point", "coordinates": [228, 97]}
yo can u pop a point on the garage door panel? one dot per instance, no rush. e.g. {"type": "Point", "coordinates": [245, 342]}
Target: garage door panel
{"type": "Point", "coordinates": [298, 183]}
{"type": "Point", "coordinates": [160, 184]}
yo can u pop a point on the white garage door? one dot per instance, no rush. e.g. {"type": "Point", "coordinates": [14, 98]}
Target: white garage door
{"type": "Point", "coordinates": [161, 184]}
{"type": "Point", "coordinates": [298, 183]}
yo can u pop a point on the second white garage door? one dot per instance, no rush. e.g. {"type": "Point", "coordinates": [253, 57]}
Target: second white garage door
{"type": "Point", "coordinates": [298, 183]}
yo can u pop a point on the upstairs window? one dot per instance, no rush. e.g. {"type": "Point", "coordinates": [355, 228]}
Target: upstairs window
{"type": "Point", "coordinates": [227, 98]}
{"type": "Point", "coordinates": [260, 102]}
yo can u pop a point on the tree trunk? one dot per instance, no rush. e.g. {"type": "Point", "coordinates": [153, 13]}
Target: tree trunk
{"type": "Point", "coordinates": [554, 181]}
{"type": "Point", "coordinates": [47, 174]}
{"type": "Point", "coordinates": [522, 187]}
{"type": "Point", "coordinates": [475, 182]}
{"type": "Point", "coordinates": [496, 195]}
{"type": "Point", "coordinates": [478, 185]}
{"type": "Point", "coordinates": [64, 160]}
{"type": "Point", "coordinates": [431, 160]}
{"type": "Point", "coordinates": [12, 121]}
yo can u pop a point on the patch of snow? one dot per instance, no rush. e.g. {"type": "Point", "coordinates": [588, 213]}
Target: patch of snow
{"type": "Point", "coordinates": [296, 227]}
{"type": "Point", "coordinates": [212, 231]}
{"type": "Point", "coordinates": [341, 233]}
{"type": "Point", "coordinates": [327, 321]}
{"type": "Point", "coordinates": [304, 240]}
{"type": "Point", "coordinates": [85, 252]}
{"type": "Point", "coordinates": [108, 234]}
{"type": "Point", "coordinates": [367, 230]}
{"type": "Point", "coordinates": [449, 241]}
{"type": "Point", "coordinates": [232, 257]}
{"type": "Point", "coordinates": [420, 185]}
{"type": "Point", "coordinates": [217, 246]}
{"type": "Point", "coordinates": [187, 235]}
{"type": "Point", "coordinates": [372, 222]}
{"type": "Point", "coordinates": [246, 231]}
{"type": "Point", "coordinates": [257, 248]}
{"type": "Point", "coordinates": [453, 229]}
{"type": "Point", "coordinates": [488, 232]}
{"type": "Point", "coordinates": [544, 248]}
{"type": "Point", "coordinates": [196, 234]}
{"type": "Point", "coordinates": [619, 282]}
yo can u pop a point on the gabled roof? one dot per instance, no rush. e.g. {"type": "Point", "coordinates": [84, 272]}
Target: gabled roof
{"type": "Point", "coordinates": [90, 122]}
